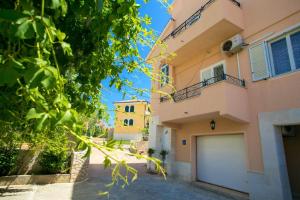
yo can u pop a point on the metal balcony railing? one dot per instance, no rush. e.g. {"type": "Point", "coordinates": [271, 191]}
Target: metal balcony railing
{"type": "Point", "coordinates": [195, 90]}
{"type": "Point", "coordinates": [192, 19]}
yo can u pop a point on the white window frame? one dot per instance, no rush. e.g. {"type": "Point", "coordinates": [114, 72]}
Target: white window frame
{"type": "Point", "coordinates": [287, 37]}
{"type": "Point", "coordinates": [211, 67]}
{"type": "Point", "coordinates": [164, 79]}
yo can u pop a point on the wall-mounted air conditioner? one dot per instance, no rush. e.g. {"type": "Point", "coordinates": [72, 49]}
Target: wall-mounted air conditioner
{"type": "Point", "coordinates": [232, 45]}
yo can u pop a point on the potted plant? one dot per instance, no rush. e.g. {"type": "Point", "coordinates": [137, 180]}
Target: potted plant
{"type": "Point", "coordinates": [163, 154]}
{"type": "Point", "coordinates": [150, 165]}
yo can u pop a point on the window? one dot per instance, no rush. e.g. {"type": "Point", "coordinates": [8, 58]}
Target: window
{"type": "Point", "coordinates": [131, 122]}
{"type": "Point", "coordinates": [131, 108]}
{"type": "Point", "coordinates": [295, 40]}
{"type": "Point", "coordinates": [164, 75]}
{"type": "Point", "coordinates": [126, 122]}
{"type": "Point", "coordinates": [217, 71]}
{"type": "Point", "coordinates": [280, 56]}
{"type": "Point", "coordinates": [276, 56]}
{"type": "Point", "coordinates": [126, 108]}
{"type": "Point", "coordinates": [285, 53]}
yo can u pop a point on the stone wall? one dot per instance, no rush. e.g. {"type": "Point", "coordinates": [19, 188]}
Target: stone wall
{"type": "Point", "coordinates": [79, 166]}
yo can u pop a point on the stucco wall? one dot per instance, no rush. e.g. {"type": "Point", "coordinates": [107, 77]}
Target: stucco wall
{"type": "Point", "coordinates": [277, 93]}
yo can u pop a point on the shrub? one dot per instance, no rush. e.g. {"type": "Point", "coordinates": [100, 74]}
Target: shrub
{"type": "Point", "coordinates": [54, 161]}
{"type": "Point", "coordinates": [8, 159]}
{"type": "Point", "coordinates": [150, 152]}
{"type": "Point", "coordinates": [55, 157]}
{"type": "Point", "coordinates": [163, 154]}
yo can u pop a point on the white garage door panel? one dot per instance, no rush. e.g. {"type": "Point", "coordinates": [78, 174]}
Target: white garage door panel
{"type": "Point", "coordinates": [221, 161]}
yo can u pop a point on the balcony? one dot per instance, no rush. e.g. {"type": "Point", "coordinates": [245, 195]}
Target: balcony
{"type": "Point", "coordinates": [214, 22]}
{"type": "Point", "coordinates": [223, 95]}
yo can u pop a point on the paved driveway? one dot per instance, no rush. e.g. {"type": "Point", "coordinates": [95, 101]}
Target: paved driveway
{"type": "Point", "coordinates": [147, 187]}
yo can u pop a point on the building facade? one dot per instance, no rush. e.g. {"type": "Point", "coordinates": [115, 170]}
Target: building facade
{"type": "Point", "coordinates": [131, 119]}
{"type": "Point", "coordinates": [234, 118]}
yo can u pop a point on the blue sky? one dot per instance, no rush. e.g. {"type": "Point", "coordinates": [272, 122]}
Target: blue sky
{"type": "Point", "coordinates": [160, 17]}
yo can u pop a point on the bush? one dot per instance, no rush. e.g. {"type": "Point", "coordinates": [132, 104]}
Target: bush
{"type": "Point", "coordinates": [55, 157]}
{"type": "Point", "coordinates": [8, 159]}
{"type": "Point", "coordinates": [150, 152]}
{"type": "Point", "coordinates": [54, 160]}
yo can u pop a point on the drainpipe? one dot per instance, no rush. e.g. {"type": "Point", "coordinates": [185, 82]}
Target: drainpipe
{"type": "Point", "coordinates": [238, 64]}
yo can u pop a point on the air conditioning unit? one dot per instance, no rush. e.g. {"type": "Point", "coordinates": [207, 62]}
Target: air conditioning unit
{"type": "Point", "coordinates": [288, 131]}
{"type": "Point", "coordinates": [233, 45]}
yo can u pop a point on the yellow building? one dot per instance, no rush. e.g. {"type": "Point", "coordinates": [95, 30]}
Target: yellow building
{"type": "Point", "coordinates": [131, 118]}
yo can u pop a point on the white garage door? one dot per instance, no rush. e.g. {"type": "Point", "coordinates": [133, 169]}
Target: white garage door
{"type": "Point", "coordinates": [221, 161]}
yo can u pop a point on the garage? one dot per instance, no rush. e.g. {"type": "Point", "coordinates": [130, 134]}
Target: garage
{"type": "Point", "coordinates": [221, 160]}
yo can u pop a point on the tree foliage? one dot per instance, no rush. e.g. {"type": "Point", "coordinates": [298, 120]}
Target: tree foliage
{"type": "Point", "coordinates": [54, 55]}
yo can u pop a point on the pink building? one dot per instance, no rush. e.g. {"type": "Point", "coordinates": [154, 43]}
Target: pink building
{"type": "Point", "coordinates": [234, 119]}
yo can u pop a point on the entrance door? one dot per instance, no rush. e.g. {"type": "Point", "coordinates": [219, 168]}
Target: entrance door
{"type": "Point", "coordinates": [291, 142]}
{"type": "Point", "coordinates": [221, 160]}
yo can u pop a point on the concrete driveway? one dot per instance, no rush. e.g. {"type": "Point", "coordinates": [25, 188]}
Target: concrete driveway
{"type": "Point", "coordinates": [147, 187]}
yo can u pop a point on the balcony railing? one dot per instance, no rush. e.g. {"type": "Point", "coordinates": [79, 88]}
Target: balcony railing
{"type": "Point", "coordinates": [195, 90]}
{"type": "Point", "coordinates": [192, 19]}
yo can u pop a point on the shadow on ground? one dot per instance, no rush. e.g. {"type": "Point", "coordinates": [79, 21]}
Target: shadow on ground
{"type": "Point", "coordinates": [147, 187]}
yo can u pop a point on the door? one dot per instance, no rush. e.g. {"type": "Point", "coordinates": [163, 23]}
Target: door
{"type": "Point", "coordinates": [218, 72]}
{"type": "Point", "coordinates": [213, 74]}
{"type": "Point", "coordinates": [221, 161]}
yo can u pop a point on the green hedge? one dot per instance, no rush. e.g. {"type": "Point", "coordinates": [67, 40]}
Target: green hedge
{"type": "Point", "coordinates": [8, 159]}
{"type": "Point", "coordinates": [54, 161]}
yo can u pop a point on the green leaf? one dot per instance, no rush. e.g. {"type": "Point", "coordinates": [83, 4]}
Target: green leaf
{"type": "Point", "coordinates": [25, 30]}
{"type": "Point", "coordinates": [39, 29]}
{"type": "Point", "coordinates": [17, 64]}
{"type": "Point", "coordinates": [55, 4]}
{"type": "Point", "coordinates": [11, 15]}
{"type": "Point", "coordinates": [60, 35]}
{"type": "Point", "coordinates": [8, 76]}
{"type": "Point", "coordinates": [41, 122]}
{"type": "Point", "coordinates": [32, 114]}
{"type": "Point", "coordinates": [49, 82]}
{"type": "Point", "coordinates": [82, 146]}
{"type": "Point", "coordinates": [88, 152]}
{"type": "Point", "coordinates": [66, 48]}
{"type": "Point", "coordinates": [36, 78]}
{"type": "Point", "coordinates": [107, 162]}
{"type": "Point", "coordinates": [66, 117]}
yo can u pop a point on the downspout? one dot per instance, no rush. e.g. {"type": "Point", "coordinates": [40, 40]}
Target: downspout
{"type": "Point", "coordinates": [238, 65]}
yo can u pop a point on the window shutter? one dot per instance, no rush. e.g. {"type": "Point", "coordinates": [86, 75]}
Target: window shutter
{"type": "Point", "coordinates": [258, 61]}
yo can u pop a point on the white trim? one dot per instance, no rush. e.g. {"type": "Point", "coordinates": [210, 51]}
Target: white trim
{"type": "Point", "coordinates": [223, 62]}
